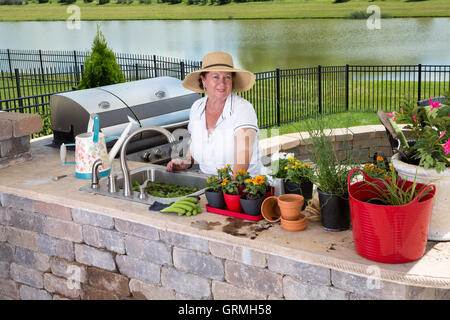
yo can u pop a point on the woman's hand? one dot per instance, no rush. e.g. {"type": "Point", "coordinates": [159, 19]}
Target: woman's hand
{"type": "Point", "coordinates": [178, 164]}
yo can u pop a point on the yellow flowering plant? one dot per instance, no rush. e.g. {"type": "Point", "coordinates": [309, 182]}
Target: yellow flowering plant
{"type": "Point", "coordinates": [256, 187]}
{"type": "Point", "coordinates": [298, 171]}
{"type": "Point", "coordinates": [241, 176]}
{"type": "Point", "coordinates": [380, 168]}
{"type": "Point", "coordinates": [230, 186]}
{"type": "Point", "coordinates": [224, 172]}
{"type": "Point", "coordinates": [213, 184]}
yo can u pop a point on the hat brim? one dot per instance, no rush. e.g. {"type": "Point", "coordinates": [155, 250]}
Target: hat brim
{"type": "Point", "coordinates": [242, 81]}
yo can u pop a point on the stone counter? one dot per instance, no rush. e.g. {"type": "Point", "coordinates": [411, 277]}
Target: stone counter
{"type": "Point", "coordinates": [57, 242]}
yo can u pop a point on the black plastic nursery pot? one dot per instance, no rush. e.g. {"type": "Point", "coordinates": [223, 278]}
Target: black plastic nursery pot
{"type": "Point", "coordinates": [334, 211]}
{"type": "Point", "coordinates": [215, 199]}
{"type": "Point", "coordinates": [304, 189]}
{"type": "Point", "coordinates": [252, 207]}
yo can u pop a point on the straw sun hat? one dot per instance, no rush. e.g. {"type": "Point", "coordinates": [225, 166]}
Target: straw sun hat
{"type": "Point", "coordinates": [220, 61]}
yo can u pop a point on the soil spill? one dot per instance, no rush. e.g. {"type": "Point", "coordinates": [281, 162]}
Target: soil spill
{"type": "Point", "coordinates": [243, 228]}
{"type": "Point", "coordinates": [205, 225]}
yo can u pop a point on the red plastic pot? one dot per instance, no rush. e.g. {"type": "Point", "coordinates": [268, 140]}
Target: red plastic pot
{"type": "Point", "coordinates": [386, 233]}
{"type": "Point", "coordinates": [233, 202]}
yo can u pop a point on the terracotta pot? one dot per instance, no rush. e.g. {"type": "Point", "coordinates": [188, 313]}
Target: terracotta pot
{"type": "Point", "coordinates": [215, 199]}
{"type": "Point", "coordinates": [233, 202]}
{"type": "Point", "coordinates": [253, 206]}
{"type": "Point", "coordinates": [439, 229]}
{"type": "Point", "coordinates": [290, 206]}
{"type": "Point", "coordinates": [270, 209]}
{"type": "Point", "coordinates": [294, 225]}
{"type": "Point", "coordinates": [305, 189]}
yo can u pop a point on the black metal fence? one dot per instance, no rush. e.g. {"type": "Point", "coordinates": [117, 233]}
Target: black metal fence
{"type": "Point", "coordinates": [29, 78]}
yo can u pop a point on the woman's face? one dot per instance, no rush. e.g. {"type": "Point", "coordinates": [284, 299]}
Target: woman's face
{"type": "Point", "coordinates": [218, 84]}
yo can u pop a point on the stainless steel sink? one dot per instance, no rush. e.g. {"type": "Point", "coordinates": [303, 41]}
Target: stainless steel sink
{"type": "Point", "coordinates": [153, 174]}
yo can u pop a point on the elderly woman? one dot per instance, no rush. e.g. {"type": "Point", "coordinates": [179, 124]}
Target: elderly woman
{"type": "Point", "coordinates": [223, 126]}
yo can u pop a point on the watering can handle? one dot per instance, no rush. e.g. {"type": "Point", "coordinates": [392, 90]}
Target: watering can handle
{"type": "Point", "coordinates": [63, 153]}
{"type": "Point", "coordinates": [96, 127]}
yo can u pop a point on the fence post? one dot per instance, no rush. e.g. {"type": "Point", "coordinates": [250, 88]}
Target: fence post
{"type": "Point", "coordinates": [347, 87]}
{"type": "Point", "coordinates": [42, 66]}
{"type": "Point", "coordinates": [137, 71]}
{"type": "Point", "coordinates": [154, 65]}
{"type": "Point", "coordinates": [9, 61]}
{"type": "Point", "coordinates": [76, 66]}
{"type": "Point", "coordinates": [278, 97]}
{"type": "Point", "coordinates": [182, 70]}
{"type": "Point", "coordinates": [319, 70]}
{"type": "Point", "coordinates": [419, 95]}
{"type": "Point", "coordinates": [19, 94]}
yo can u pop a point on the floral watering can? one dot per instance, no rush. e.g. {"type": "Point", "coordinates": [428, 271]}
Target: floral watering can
{"type": "Point", "coordinates": [90, 146]}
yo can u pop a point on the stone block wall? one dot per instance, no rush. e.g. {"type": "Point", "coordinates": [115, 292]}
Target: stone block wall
{"type": "Point", "coordinates": [49, 251]}
{"type": "Point", "coordinates": [359, 143]}
{"type": "Point", "coordinates": [15, 130]}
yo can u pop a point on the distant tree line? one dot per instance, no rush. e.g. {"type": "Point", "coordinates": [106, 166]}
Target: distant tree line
{"type": "Point", "coordinates": [189, 2]}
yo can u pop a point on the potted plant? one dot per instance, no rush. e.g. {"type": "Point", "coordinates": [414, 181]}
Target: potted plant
{"type": "Point", "coordinates": [255, 190]}
{"type": "Point", "coordinates": [278, 162]}
{"type": "Point", "coordinates": [390, 217]}
{"type": "Point", "coordinates": [429, 156]}
{"type": "Point", "coordinates": [298, 178]}
{"type": "Point", "coordinates": [224, 172]}
{"type": "Point", "coordinates": [241, 176]}
{"type": "Point", "coordinates": [380, 168]}
{"type": "Point", "coordinates": [231, 194]}
{"type": "Point", "coordinates": [330, 176]}
{"type": "Point", "coordinates": [214, 193]}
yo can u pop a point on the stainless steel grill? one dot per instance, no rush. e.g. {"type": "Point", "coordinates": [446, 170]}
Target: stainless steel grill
{"type": "Point", "coordinates": [160, 101]}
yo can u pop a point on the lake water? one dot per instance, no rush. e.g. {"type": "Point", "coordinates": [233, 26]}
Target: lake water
{"type": "Point", "coordinates": [256, 45]}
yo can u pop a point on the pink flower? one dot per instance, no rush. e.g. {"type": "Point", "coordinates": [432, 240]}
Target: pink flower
{"type": "Point", "coordinates": [447, 146]}
{"type": "Point", "coordinates": [434, 105]}
{"type": "Point", "coordinates": [442, 134]}
{"type": "Point", "coordinates": [414, 118]}
{"type": "Point", "coordinates": [391, 115]}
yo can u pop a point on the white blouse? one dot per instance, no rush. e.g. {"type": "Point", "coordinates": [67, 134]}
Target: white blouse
{"type": "Point", "coordinates": [215, 150]}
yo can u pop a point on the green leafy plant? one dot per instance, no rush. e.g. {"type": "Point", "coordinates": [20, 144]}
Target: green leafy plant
{"type": "Point", "coordinates": [241, 176]}
{"type": "Point", "coordinates": [213, 184]}
{"type": "Point", "coordinates": [230, 186]}
{"type": "Point", "coordinates": [256, 187]}
{"type": "Point", "coordinates": [100, 68]}
{"type": "Point", "coordinates": [331, 170]}
{"type": "Point", "coordinates": [430, 128]}
{"type": "Point", "coordinates": [279, 161]}
{"type": "Point", "coordinates": [298, 171]}
{"type": "Point", "coordinates": [396, 192]}
{"type": "Point", "coordinates": [224, 172]}
{"type": "Point", "coordinates": [380, 169]}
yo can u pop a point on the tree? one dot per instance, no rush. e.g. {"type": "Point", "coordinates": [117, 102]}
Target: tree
{"type": "Point", "coordinates": [100, 67]}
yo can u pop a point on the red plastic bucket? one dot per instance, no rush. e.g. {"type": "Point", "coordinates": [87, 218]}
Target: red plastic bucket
{"type": "Point", "coordinates": [386, 233]}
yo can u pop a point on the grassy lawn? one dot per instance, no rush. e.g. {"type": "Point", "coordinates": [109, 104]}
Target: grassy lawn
{"type": "Point", "coordinates": [277, 9]}
{"type": "Point", "coordinates": [338, 120]}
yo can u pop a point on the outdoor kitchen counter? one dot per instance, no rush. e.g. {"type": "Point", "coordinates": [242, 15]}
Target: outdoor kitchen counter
{"type": "Point", "coordinates": [305, 256]}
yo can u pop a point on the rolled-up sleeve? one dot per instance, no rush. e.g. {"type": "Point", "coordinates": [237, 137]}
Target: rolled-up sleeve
{"type": "Point", "coordinates": [245, 117]}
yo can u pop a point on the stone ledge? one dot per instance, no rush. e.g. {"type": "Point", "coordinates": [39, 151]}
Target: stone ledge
{"type": "Point", "coordinates": [20, 124]}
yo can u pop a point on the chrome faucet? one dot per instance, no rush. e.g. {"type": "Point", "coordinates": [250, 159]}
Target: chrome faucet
{"type": "Point", "coordinates": [123, 152]}
{"type": "Point", "coordinates": [95, 174]}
